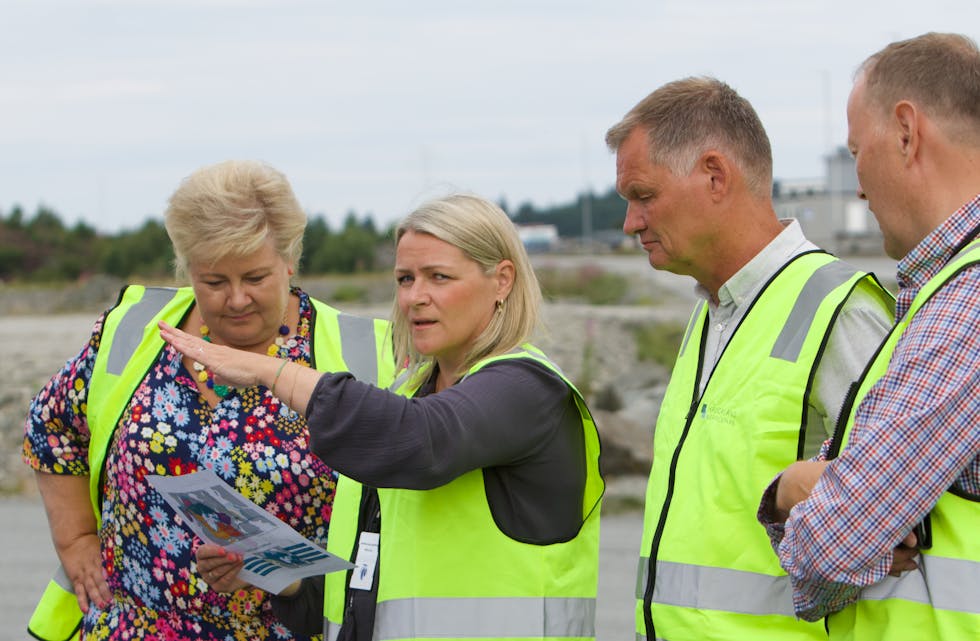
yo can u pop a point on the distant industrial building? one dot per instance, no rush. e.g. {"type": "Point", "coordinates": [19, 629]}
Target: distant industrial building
{"type": "Point", "coordinates": [539, 237]}
{"type": "Point", "coordinates": [829, 210]}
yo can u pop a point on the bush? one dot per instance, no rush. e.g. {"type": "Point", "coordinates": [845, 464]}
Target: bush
{"type": "Point", "coordinates": [659, 342]}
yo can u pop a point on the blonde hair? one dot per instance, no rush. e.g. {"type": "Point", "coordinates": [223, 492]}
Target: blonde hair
{"type": "Point", "coordinates": [687, 117]}
{"type": "Point", "coordinates": [938, 71]}
{"type": "Point", "coordinates": [484, 233]}
{"type": "Point", "coordinates": [230, 209]}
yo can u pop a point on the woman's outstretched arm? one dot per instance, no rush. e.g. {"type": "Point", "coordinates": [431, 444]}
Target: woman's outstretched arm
{"type": "Point", "coordinates": [290, 382]}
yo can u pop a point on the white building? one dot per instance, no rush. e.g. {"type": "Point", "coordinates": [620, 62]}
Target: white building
{"type": "Point", "coordinates": [538, 238]}
{"type": "Point", "coordinates": [829, 210]}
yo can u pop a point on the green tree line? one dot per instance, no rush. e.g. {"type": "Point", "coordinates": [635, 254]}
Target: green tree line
{"type": "Point", "coordinates": [607, 211]}
{"type": "Point", "coordinates": [41, 248]}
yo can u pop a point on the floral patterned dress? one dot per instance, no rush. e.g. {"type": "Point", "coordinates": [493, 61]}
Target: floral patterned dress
{"type": "Point", "coordinates": [250, 439]}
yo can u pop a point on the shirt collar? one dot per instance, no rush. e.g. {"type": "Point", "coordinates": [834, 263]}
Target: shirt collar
{"type": "Point", "coordinates": [934, 251]}
{"type": "Point", "coordinates": [746, 282]}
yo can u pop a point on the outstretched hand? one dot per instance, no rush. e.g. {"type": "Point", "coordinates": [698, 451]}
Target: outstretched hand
{"type": "Point", "coordinates": [230, 366]}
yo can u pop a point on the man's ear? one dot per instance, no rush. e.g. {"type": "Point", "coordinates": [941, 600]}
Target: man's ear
{"type": "Point", "coordinates": [907, 118]}
{"type": "Point", "coordinates": [716, 168]}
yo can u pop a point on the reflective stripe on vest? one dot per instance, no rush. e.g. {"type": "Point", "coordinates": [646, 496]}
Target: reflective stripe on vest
{"type": "Point", "coordinates": [939, 600]}
{"type": "Point", "coordinates": [824, 280]}
{"type": "Point", "coordinates": [356, 334]}
{"type": "Point", "coordinates": [118, 371]}
{"type": "Point", "coordinates": [951, 592]}
{"type": "Point", "coordinates": [711, 588]}
{"type": "Point", "coordinates": [551, 596]}
{"type": "Point", "coordinates": [129, 333]}
{"type": "Point", "coordinates": [485, 618]}
{"type": "Point", "coordinates": [714, 572]}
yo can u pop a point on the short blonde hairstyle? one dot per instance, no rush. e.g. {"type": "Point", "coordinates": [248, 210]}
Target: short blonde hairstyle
{"type": "Point", "coordinates": [484, 233]}
{"type": "Point", "coordinates": [940, 72]}
{"type": "Point", "coordinates": [687, 117]}
{"type": "Point", "coordinates": [230, 209]}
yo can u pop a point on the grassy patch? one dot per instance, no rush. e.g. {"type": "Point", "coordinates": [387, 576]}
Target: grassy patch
{"type": "Point", "coordinates": [588, 283]}
{"type": "Point", "coordinates": [658, 342]}
{"type": "Point", "coordinates": [349, 293]}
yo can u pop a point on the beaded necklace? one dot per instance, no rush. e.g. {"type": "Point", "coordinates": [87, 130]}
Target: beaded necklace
{"type": "Point", "coordinates": [206, 376]}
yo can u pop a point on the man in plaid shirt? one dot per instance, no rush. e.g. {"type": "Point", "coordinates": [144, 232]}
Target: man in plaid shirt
{"type": "Point", "coordinates": [883, 527]}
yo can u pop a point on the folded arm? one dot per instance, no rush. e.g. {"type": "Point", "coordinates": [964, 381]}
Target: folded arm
{"type": "Point", "coordinates": [913, 438]}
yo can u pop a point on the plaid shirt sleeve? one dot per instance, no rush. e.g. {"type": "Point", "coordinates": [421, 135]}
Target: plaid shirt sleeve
{"type": "Point", "coordinates": [916, 434]}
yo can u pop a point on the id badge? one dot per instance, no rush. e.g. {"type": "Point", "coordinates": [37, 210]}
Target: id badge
{"type": "Point", "coordinates": [362, 576]}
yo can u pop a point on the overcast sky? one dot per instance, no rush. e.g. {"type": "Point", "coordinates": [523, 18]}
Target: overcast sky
{"type": "Point", "coordinates": [374, 106]}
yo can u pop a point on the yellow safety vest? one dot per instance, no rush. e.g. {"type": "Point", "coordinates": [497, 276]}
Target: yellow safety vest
{"type": "Point", "coordinates": [707, 570]}
{"type": "Point", "coordinates": [130, 345]}
{"type": "Point", "coordinates": [447, 572]}
{"type": "Point", "coordinates": [940, 600]}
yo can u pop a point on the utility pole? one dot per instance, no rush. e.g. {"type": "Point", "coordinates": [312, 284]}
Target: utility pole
{"type": "Point", "coordinates": [586, 200]}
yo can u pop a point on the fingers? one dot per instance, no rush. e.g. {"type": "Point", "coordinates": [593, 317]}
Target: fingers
{"type": "Point", "coordinates": [210, 551]}
{"type": "Point", "coordinates": [904, 566]}
{"type": "Point", "coordinates": [911, 540]}
{"type": "Point", "coordinates": [83, 565]}
{"type": "Point", "coordinates": [903, 556]}
{"type": "Point", "coordinates": [219, 567]}
{"type": "Point", "coordinates": [223, 575]}
{"type": "Point", "coordinates": [93, 589]}
{"type": "Point", "coordinates": [183, 342]}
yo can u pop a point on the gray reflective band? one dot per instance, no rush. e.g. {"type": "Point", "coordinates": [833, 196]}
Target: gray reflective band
{"type": "Point", "coordinates": [61, 578]}
{"type": "Point", "coordinates": [939, 582]}
{"type": "Point", "coordinates": [823, 281]}
{"type": "Point", "coordinates": [399, 381]}
{"type": "Point", "coordinates": [485, 618]}
{"type": "Point", "coordinates": [709, 588]}
{"type": "Point", "coordinates": [129, 334]}
{"type": "Point", "coordinates": [690, 326]}
{"type": "Point", "coordinates": [359, 349]}
{"type": "Point", "coordinates": [330, 630]}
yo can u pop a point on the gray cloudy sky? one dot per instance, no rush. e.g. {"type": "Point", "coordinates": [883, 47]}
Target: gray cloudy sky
{"type": "Point", "coordinates": [374, 106]}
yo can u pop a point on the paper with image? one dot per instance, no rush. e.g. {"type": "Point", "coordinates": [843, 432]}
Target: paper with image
{"type": "Point", "coordinates": [275, 554]}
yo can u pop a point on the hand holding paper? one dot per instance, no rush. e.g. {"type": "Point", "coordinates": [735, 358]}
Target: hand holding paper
{"type": "Point", "coordinates": [271, 555]}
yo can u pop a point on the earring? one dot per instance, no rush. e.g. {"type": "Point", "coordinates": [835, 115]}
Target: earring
{"type": "Point", "coordinates": [499, 305]}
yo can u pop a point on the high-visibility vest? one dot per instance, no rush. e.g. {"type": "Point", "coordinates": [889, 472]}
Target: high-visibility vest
{"type": "Point", "coordinates": [706, 569]}
{"type": "Point", "coordinates": [941, 599]}
{"type": "Point", "coordinates": [131, 345]}
{"type": "Point", "coordinates": [447, 572]}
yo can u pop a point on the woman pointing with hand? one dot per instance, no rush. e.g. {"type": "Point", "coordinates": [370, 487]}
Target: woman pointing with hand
{"type": "Point", "coordinates": [469, 495]}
